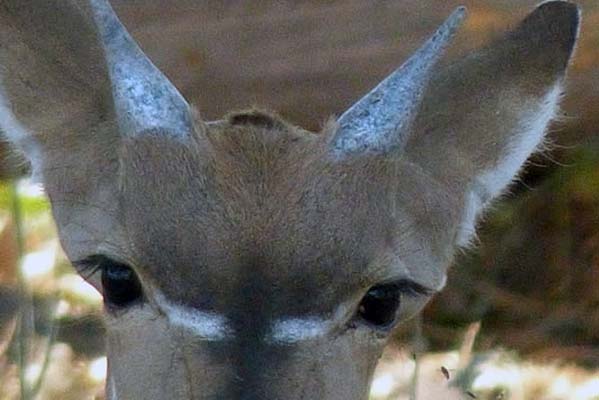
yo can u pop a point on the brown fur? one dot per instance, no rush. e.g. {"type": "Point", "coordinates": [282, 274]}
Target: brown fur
{"type": "Point", "coordinates": [252, 219]}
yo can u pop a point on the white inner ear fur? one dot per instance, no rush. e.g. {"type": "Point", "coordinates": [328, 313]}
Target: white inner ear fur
{"type": "Point", "coordinates": [19, 136]}
{"type": "Point", "coordinates": [491, 183]}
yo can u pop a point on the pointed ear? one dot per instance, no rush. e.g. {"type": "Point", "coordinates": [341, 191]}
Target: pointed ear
{"type": "Point", "coordinates": [56, 107]}
{"type": "Point", "coordinates": [73, 84]}
{"type": "Point", "coordinates": [54, 86]}
{"type": "Point", "coordinates": [484, 115]}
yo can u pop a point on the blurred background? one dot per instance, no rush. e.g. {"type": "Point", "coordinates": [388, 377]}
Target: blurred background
{"type": "Point", "coordinates": [519, 318]}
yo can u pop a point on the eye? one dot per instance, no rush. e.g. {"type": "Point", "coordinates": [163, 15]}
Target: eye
{"type": "Point", "coordinates": [383, 305]}
{"type": "Point", "coordinates": [380, 305]}
{"type": "Point", "coordinates": [120, 285]}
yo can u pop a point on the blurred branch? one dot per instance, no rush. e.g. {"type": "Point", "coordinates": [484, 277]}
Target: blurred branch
{"type": "Point", "coordinates": [25, 318]}
{"type": "Point", "coordinates": [46, 363]}
{"type": "Point", "coordinates": [419, 348]}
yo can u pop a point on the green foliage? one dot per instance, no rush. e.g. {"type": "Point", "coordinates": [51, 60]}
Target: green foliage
{"type": "Point", "coordinates": [31, 205]}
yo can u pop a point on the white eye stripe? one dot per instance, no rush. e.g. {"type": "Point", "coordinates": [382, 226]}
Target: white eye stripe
{"type": "Point", "coordinates": [213, 327]}
{"type": "Point", "coordinates": [208, 326]}
{"type": "Point", "coordinates": [298, 329]}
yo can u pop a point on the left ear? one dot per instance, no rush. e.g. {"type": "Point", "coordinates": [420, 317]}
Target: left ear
{"type": "Point", "coordinates": [74, 86]}
{"type": "Point", "coordinates": [482, 117]}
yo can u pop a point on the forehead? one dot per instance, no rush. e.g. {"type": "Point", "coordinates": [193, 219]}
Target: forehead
{"type": "Point", "coordinates": [254, 203]}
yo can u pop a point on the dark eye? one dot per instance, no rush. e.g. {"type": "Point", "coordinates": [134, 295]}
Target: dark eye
{"type": "Point", "coordinates": [380, 305]}
{"type": "Point", "coordinates": [120, 284]}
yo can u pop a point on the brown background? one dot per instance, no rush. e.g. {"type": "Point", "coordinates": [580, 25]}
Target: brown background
{"type": "Point", "coordinates": [310, 59]}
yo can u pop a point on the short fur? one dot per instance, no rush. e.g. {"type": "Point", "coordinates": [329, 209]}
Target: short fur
{"type": "Point", "coordinates": [253, 242]}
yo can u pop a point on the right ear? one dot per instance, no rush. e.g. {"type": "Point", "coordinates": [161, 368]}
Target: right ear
{"type": "Point", "coordinates": [483, 115]}
{"type": "Point", "coordinates": [73, 84]}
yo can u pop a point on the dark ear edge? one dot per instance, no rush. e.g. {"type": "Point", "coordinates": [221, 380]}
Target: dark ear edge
{"type": "Point", "coordinates": [550, 33]}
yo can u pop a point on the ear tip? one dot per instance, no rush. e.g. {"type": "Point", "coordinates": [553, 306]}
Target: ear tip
{"type": "Point", "coordinates": [554, 27]}
{"type": "Point", "coordinates": [560, 15]}
{"type": "Point", "coordinates": [559, 6]}
{"type": "Point", "coordinates": [566, 13]}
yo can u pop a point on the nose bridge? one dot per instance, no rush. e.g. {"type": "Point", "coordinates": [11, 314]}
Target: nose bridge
{"type": "Point", "coordinates": [258, 362]}
{"type": "Point", "coordinates": [260, 342]}
{"type": "Point", "coordinates": [260, 369]}
{"type": "Point", "coordinates": [255, 361]}
{"type": "Point", "coordinates": [262, 330]}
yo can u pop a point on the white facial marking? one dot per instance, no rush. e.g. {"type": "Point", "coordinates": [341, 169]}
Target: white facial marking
{"type": "Point", "coordinates": [298, 329]}
{"type": "Point", "coordinates": [208, 326]}
{"type": "Point", "coordinates": [491, 183]}
{"type": "Point", "coordinates": [19, 135]}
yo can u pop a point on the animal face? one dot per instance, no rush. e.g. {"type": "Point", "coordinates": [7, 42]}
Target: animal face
{"type": "Point", "coordinates": [247, 258]}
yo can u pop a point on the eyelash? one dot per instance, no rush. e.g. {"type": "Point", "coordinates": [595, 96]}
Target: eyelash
{"type": "Point", "coordinates": [411, 288]}
{"type": "Point", "coordinates": [89, 266]}
{"type": "Point", "coordinates": [121, 287]}
{"type": "Point", "coordinates": [380, 306]}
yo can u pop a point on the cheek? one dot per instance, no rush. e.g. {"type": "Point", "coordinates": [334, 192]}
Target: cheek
{"type": "Point", "coordinates": [138, 348]}
{"type": "Point", "coordinates": [149, 359]}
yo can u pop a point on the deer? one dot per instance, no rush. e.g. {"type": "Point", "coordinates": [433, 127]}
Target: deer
{"type": "Point", "coordinates": [248, 258]}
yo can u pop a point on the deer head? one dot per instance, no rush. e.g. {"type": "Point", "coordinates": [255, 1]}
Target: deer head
{"type": "Point", "coordinates": [248, 258]}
